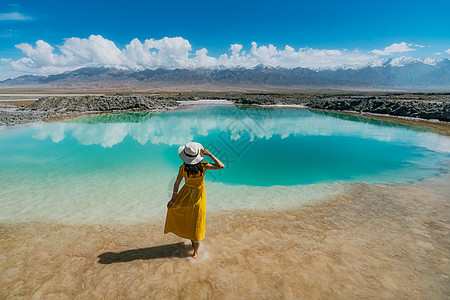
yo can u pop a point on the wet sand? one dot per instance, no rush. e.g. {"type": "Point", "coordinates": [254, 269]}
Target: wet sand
{"type": "Point", "coordinates": [371, 242]}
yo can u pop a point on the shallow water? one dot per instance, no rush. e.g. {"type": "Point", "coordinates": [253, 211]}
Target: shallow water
{"type": "Point", "coordinates": [120, 167]}
{"type": "Point", "coordinates": [369, 242]}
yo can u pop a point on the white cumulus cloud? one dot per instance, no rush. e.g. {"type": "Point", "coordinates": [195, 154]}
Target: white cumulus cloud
{"type": "Point", "coordinates": [95, 49]}
{"type": "Point", "coordinates": [176, 52]}
{"type": "Point", "coordinates": [447, 51]}
{"type": "Point", "coordinates": [163, 53]}
{"type": "Point", "coordinates": [396, 48]}
{"type": "Point", "coordinates": [290, 58]}
{"type": "Point", "coordinates": [171, 53]}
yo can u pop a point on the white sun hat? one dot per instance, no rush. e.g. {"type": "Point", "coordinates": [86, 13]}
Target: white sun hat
{"type": "Point", "coordinates": [190, 153]}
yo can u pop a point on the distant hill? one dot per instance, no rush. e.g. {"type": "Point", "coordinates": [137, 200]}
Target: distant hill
{"type": "Point", "coordinates": [400, 73]}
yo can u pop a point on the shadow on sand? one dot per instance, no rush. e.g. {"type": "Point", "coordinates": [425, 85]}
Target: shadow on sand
{"type": "Point", "coordinates": [164, 251]}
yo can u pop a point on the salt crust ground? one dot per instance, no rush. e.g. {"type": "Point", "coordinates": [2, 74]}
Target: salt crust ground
{"type": "Point", "coordinates": [369, 242]}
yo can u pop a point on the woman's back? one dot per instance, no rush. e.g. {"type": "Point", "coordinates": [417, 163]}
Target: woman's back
{"type": "Point", "coordinates": [196, 181]}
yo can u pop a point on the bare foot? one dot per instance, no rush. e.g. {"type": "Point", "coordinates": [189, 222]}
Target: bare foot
{"type": "Point", "coordinates": [195, 245]}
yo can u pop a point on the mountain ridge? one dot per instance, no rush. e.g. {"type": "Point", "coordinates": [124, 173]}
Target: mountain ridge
{"type": "Point", "coordinates": [400, 73]}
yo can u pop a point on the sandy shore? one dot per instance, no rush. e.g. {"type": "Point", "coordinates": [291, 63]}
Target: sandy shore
{"type": "Point", "coordinates": [371, 241]}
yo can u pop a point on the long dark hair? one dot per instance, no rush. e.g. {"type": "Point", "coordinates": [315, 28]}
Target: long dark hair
{"type": "Point", "coordinates": [193, 169]}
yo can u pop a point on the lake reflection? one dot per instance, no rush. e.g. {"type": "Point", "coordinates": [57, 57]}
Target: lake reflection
{"type": "Point", "coordinates": [235, 123]}
{"type": "Point", "coordinates": [257, 144]}
{"type": "Point", "coordinates": [122, 166]}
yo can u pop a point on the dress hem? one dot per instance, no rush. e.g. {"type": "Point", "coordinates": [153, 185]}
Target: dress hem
{"type": "Point", "coordinates": [184, 237]}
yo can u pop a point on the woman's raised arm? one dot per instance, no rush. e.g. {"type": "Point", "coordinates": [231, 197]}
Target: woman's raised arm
{"type": "Point", "coordinates": [217, 163]}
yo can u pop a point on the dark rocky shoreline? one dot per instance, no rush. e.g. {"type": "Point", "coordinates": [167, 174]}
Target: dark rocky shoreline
{"type": "Point", "coordinates": [48, 108]}
{"type": "Point", "coordinates": [427, 106]}
{"type": "Point", "coordinates": [424, 106]}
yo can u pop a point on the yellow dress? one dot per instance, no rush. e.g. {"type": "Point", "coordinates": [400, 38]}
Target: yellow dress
{"type": "Point", "coordinates": [186, 218]}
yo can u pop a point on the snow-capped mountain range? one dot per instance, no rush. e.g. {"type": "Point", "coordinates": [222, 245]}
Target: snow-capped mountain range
{"type": "Point", "coordinates": [397, 73]}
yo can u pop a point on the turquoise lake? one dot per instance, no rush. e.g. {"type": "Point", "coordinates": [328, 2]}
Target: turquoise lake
{"type": "Point", "coordinates": [121, 167]}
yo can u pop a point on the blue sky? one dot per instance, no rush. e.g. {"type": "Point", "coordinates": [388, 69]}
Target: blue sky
{"type": "Point", "coordinates": [350, 26]}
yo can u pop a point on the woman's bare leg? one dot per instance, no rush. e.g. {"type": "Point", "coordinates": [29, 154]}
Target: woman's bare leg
{"type": "Point", "coordinates": [195, 245]}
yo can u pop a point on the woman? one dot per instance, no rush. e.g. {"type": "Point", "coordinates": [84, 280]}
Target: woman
{"type": "Point", "coordinates": [187, 209]}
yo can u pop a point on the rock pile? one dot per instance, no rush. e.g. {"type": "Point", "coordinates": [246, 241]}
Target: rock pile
{"type": "Point", "coordinates": [389, 105]}
{"type": "Point", "coordinates": [101, 103]}
{"type": "Point", "coordinates": [438, 110]}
